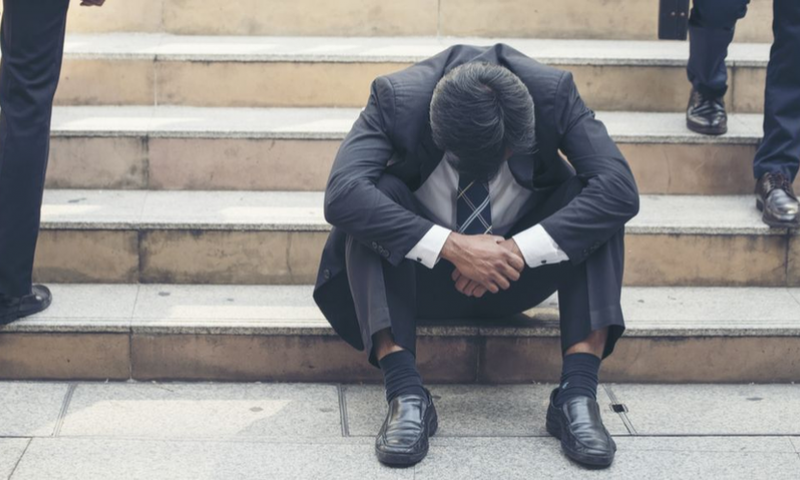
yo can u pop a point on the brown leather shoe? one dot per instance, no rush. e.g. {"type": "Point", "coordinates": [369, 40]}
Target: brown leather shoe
{"type": "Point", "coordinates": [776, 199]}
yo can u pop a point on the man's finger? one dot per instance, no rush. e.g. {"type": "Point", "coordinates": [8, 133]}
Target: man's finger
{"type": "Point", "coordinates": [510, 273]}
{"type": "Point", "coordinates": [469, 290]}
{"type": "Point", "coordinates": [501, 281]}
{"type": "Point", "coordinates": [515, 261]}
{"type": "Point", "coordinates": [456, 275]}
{"type": "Point", "coordinates": [490, 286]}
{"type": "Point", "coordinates": [462, 283]}
{"type": "Point", "coordinates": [479, 292]}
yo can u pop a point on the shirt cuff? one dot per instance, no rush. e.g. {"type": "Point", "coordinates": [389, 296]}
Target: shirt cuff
{"type": "Point", "coordinates": [428, 249]}
{"type": "Point", "coordinates": [538, 247]}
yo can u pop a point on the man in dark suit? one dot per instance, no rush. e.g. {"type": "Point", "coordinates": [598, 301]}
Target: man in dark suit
{"type": "Point", "coordinates": [32, 43]}
{"type": "Point", "coordinates": [776, 163]}
{"type": "Point", "coordinates": [449, 199]}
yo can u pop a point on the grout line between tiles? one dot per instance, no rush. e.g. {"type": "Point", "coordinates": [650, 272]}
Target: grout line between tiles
{"type": "Point", "coordinates": [343, 418]}
{"type": "Point", "coordinates": [64, 408]}
{"type": "Point", "coordinates": [19, 460]}
{"type": "Point", "coordinates": [622, 415]}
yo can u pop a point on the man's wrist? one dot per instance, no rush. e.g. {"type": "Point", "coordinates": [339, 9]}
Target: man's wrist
{"type": "Point", "coordinates": [450, 248]}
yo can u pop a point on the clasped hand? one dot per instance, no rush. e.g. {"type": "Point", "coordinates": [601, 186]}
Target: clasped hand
{"type": "Point", "coordinates": [484, 263]}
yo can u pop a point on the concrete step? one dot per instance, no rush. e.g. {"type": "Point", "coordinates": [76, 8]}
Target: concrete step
{"type": "Point", "coordinates": [277, 237]}
{"type": "Point", "coordinates": [191, 148]}
{"type": "Point", "coordinates": [247, 333]}
{"type": "Point", "coordinates": [158, 69]}
{"type": "Point", "coordinates": [614, 19]}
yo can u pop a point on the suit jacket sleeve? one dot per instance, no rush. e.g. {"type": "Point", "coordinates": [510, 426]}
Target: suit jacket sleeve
{"type": "Point", "coordinates": [353, 203]}
{"type": "Point", "coordinates": [609, 197]}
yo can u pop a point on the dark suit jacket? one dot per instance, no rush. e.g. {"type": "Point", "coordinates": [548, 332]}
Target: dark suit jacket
{"type": "Point", "coordinates": [393, 135]}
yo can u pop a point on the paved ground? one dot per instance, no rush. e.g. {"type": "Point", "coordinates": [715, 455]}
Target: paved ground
{"type": "Point", "coordinates": [297, 431]}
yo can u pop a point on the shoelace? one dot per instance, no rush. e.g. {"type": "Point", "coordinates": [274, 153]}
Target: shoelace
{"type": "Point", "coordinates": [777, 180]}
{"type": "Point", "coordinates": [708, 105]}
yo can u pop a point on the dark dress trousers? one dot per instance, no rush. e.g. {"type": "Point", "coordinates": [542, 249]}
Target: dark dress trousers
{"type": "Point", "coordinates": [711, 29]}
{"type": "Point", "coordinates": [365, 284]}
{"type": "Point", "coordinates": [32, 41]}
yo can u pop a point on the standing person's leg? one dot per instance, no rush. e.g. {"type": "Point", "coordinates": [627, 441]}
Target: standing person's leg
{"type": "Point", "coordinates": [711, 28]}
{"type": "Point", "coordinates": [32, 41]}
{"type": "Point", "coordinates": [778, 158]}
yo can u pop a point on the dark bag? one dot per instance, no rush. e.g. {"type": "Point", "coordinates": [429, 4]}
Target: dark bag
{"type": "Point", "coordinates": [673, 19]}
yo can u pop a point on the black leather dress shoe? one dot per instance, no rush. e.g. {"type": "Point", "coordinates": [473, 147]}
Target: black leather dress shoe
{"type": "Point", "coordinates": [706, 114]}
{"type": "Point", "coordinates": [17, 307]}
{"type": "Point", "coordinates": [580, 428]}
{"type": "Point", "coordinates": [776, 199]}
{"type": "Point", "coordinates": [403, 439]}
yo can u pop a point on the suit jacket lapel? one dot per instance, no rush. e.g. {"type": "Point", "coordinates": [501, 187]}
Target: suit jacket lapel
{"type": "Point", "coordinates": [521, 167]}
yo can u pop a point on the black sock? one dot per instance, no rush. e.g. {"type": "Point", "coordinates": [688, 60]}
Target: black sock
{"type": "Point", "coordinates": [400, 375]}
{"type": "Point", "coordinates": [578, 377]}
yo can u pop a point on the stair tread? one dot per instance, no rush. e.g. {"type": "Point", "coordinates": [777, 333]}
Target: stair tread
{"type": "Point", "coordinates": [334, 123]}
{"type": "Point", "coordinates": [386, 49]}
{"type": "Point", "coordinates": [290, 310]}
{"type": "Point", "coordinates": [302, 211]}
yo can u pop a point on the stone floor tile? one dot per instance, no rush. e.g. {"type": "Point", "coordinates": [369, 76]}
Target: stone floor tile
{"type": "Point", "coordinates": [30, 409]}
{"type": "Point", "coordinates": [637, 458]}
{"type": "Point", "coordinates": [101, 459]}
{"type": "Point", "coordinates": [11, 450]}
{"type": "Point", "coordinates": [712, 409]}
{"type": "Point", "coordinates": [472, 410]}
{"type": "Point", "coordinates": [204, 411]}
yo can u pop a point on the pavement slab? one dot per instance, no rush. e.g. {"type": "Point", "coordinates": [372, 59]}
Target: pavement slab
{"type": "Point", "coordinates": [637, 458]}
{"type": "Point", "coordinates": [712, 409]}
{"type": "Point", "coordinates": [102, 459]}
{"type": "Point", "coordinates": [30, 409]}
{"type": "Point", "coordinates": [204, 411]}
{"type": "Point", "coordinates": [472, 411]}
{"type": "Point", "coordinates": [11, 450]}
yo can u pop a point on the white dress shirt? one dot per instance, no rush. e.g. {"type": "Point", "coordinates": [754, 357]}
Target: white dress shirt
{"type": "Point", "coordinates": [509, 202]}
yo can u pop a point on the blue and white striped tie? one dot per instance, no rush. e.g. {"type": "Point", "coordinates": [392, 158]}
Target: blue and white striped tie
{"type": "Point", "coordinates": [473, 208]}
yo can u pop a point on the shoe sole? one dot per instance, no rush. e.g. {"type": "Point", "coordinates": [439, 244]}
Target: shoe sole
{"type": "Point", "coordinates": [554, 429]}
{"type": "Point", "coordinates": [771, 221]}
{"type": "Point", "coordinates": [707, 130]}
{"type": "Point", "coordinates": [11, 317]}
{"type": "Point", "coordinates": [400, 460]}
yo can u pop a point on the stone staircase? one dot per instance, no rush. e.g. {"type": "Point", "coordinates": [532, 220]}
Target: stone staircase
{"type": "Point", "coordinates": [182, 223]}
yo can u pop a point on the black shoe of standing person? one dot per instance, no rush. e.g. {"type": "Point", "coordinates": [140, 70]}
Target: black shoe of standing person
{"type": "Point", "coordinates": [776, 199]}
{"type": "Point", "coordinates": [579, 426]}
{"type": "Point", "coordinates": [14, 308]}
{"type": "Point", "coordinates": [403, 438]}
{"type": "Point", "coordinates": [706, 114]}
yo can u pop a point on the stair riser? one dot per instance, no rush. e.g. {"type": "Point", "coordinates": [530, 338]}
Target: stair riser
{"type": "Point", "coordinates": [617, 19]}
{"type": "Point", "coordinates": [322, 84]}
{"type": "Point", "coordinates": [279, 257]}
{"type": "Point", "coordinates": [303, 165]}
{"type": "Point", "coordinates": [442, 359]}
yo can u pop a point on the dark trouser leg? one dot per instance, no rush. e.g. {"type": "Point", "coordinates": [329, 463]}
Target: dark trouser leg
{"type": "Point", "coordinates": [780, 150]}
{"type": "Point", "coordinates": [588, 293]}
{"type": "Point", "coordinates": [385, 296]}
{"type": "Point", "coordinates": [711, 28]}
{"type": "Point", "coordinates": [32, 41]}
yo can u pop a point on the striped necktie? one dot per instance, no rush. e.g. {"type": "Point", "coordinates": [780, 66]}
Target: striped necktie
{"type": "Point", "coordinates": [473, 208]}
